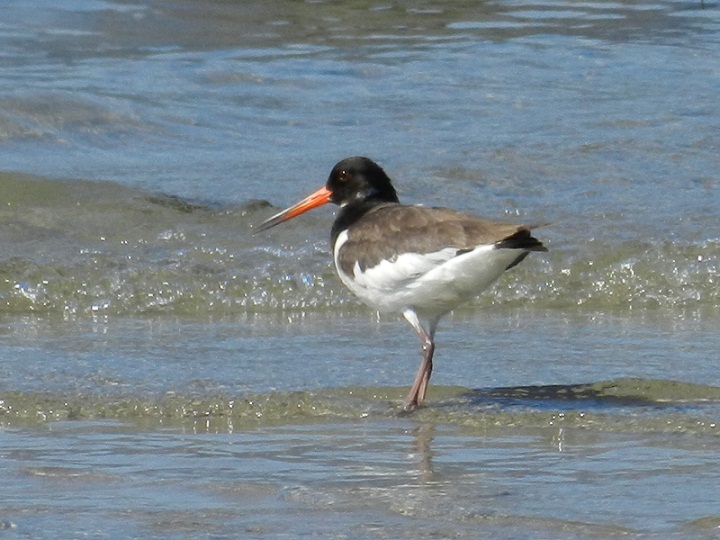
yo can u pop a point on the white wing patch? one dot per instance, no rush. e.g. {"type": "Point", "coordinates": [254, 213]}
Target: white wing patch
{"type": "Point", "coordinates": [405, 270]}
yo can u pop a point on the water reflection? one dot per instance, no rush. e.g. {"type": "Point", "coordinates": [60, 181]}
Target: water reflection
{"type": "Point", "coordinates": [119, 29]}
{"type": "Point", "coordinates": [345, 24]}
{"type": "Point", "coordinates": [422, 455]}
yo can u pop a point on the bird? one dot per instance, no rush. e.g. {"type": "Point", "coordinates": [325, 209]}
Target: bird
{"type": "Point", "coordinates": [419, 261]}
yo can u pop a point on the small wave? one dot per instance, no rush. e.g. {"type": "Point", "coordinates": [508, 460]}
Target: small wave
{"type": "Point", "coordinates": [58, 115]}
{"type": "Point", "coordinates": [78, 248]}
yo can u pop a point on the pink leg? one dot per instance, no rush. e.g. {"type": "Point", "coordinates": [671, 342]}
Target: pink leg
{"type": "Point", "coordinates": [419, 387]}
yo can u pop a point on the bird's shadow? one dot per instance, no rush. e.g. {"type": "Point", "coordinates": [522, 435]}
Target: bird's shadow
{"type": "Point", "coordinates": [602, 395]}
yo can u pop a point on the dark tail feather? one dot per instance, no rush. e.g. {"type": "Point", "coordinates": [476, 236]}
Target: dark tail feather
{"type": "Point", "coordinates": [522, 239]}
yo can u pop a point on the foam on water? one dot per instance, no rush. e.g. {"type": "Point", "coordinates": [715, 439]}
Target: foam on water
{"type": "Point", "coordinates": [79, 248]}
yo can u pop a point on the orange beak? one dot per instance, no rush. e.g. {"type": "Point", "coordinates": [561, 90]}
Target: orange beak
{"type": "Point", "coordinates": [320, 197]}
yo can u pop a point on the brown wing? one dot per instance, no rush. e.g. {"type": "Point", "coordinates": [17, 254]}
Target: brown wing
{"type": "Point", "coordinates": [393, 229]}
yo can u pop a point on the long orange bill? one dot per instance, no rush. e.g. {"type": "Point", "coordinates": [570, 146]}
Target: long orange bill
{"type": "Point", "coordinates": [320, 197]}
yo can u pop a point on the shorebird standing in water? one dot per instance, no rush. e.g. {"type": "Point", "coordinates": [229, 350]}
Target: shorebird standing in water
{"type": "Point", "coordinates": [419, 261]}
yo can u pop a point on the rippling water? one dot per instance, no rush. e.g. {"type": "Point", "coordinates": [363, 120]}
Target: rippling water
{"type": "Point", "coordinates": [165, 373]}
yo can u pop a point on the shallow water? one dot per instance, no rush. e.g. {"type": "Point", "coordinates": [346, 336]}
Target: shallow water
{"type": "Point", "coordinates": [165, 373]}
{"type": "Point", "coordinates": [374, 479]}
{"type": "Point", "coordinates": [267, 428]}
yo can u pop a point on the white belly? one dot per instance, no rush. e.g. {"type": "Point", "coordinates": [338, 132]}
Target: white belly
{"type": "Point", "coordinates": [432, 283]}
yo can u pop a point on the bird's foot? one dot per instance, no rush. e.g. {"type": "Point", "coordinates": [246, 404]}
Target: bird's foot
{"type": "Point", "coordinates": [412, 403]}
{"type": "Point", "coordinates": [409, 406]}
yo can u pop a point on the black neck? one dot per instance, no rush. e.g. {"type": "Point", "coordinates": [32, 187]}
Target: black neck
{"type": "Point", "coordinates": [350, 214]}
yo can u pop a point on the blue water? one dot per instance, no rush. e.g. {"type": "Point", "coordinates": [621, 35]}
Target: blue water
{"type": "Point", "coordinates": [166, 374]}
